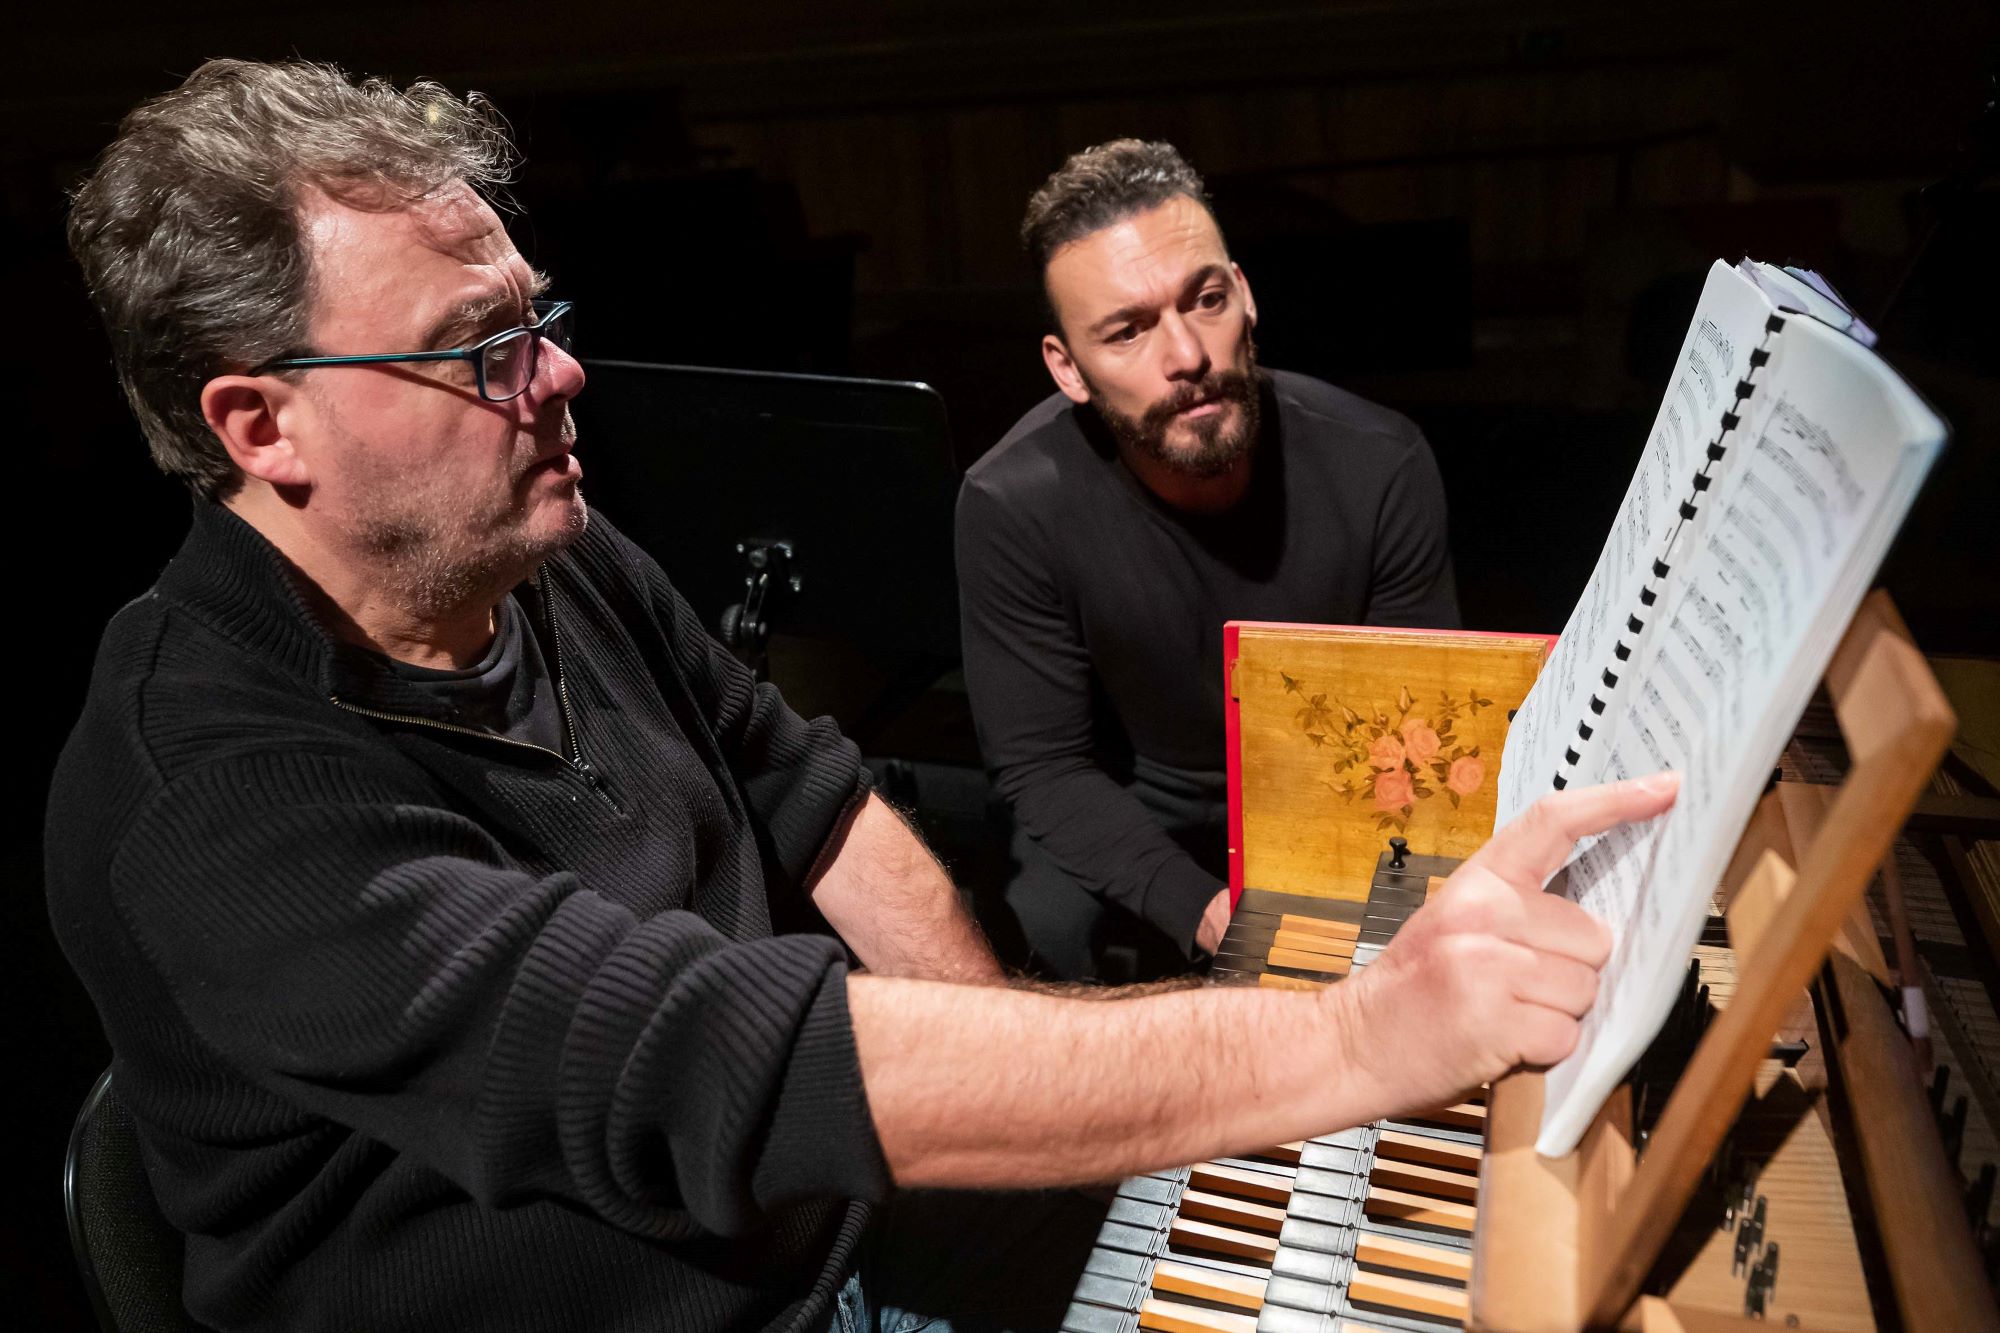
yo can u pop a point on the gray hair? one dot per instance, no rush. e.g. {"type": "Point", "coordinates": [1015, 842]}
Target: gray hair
{"type": "Point", "coordinates": [188, 228]}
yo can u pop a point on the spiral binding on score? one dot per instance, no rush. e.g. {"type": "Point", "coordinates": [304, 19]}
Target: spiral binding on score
{"type": "Point", "coordinates": [1649, 594]}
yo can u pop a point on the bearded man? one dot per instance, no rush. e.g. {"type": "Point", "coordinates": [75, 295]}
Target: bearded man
{"type": "Point", "coordinates": [1170, 485]}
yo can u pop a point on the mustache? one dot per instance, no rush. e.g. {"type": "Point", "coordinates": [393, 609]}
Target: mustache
{"type": "Point", "coordinates": [1222, 386]}
{"type": "Point", "coordinates": [563, 436]}
{"type": "Point", "coordinates": [548, 443]}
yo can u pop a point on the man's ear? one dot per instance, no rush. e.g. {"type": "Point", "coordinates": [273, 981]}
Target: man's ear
{"type": "Point", "coordinates": [1062, 369]}
{"type": "Point", "coordinates": [1249, 301]}
{"type": "Point", "coordinates": [249, 414]}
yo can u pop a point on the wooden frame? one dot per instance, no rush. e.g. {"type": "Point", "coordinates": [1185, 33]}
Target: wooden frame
{"type": "Point", "coordinates": [1310, 840]}
{"type": "Point", "coordinates": [1565, 1244]}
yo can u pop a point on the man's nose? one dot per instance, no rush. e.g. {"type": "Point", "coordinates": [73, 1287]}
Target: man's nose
{"type": "Point", "coordinates": [559, 375]}
{"type": "Point", "coordinates": [1182, 355]}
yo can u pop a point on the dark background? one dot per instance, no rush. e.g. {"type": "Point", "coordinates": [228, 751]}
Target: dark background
{"type": "Point", "coordinates": [1492, 216]}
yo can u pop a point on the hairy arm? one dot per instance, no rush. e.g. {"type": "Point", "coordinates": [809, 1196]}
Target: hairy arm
{"type": "Point", "coordinates": [1013, 1088]}
{"type": "Point", "coordinates": [894, 905]}
{"type": "Point", "coordinates": [999, 1088]}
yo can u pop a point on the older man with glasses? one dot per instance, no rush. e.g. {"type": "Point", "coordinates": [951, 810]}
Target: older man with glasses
{"type": "Point", "coordinates": [446, 893]}
{"type": "Point", "coordinates": [459, 912]}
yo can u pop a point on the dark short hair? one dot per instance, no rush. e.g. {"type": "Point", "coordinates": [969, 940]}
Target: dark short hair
{"type": "Point", "coordinates": [188, 229]}
{"type": "Point", "coordinates": [1103, 185]}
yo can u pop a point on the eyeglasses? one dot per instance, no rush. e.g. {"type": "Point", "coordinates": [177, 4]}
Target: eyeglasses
{"type": "Point", "coordinates": [503, 364]}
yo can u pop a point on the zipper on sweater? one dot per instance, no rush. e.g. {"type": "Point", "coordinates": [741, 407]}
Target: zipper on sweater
{"type": "Point", "coordinates": [410, 719]}
{"type": "Point", "coordinates": [582, 770]}
{"type": "Point", "coordinates": [575, 743]}
{"type": "Point", "coordinates": [562, 685]}
{"type": "Point", "coordinates": [574, 760]}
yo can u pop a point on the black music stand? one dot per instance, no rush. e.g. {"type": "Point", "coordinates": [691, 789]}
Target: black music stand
{"type": "Point", "coordinates": [807, 519]}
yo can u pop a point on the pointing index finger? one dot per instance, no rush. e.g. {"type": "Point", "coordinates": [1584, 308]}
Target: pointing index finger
{"type": "Point", "coordinates": [1534, 846]}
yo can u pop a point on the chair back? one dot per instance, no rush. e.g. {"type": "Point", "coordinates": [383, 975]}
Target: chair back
{"type": "Point", "coordinates": [127, 1253]}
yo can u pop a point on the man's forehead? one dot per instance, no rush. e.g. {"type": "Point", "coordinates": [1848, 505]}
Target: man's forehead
{"type": "Point", "coordinates": [447, 240]}
{"type": "Point", "coordinates": [1145, 256]}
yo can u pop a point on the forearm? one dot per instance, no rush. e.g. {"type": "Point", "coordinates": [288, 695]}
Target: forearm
{"type": "Point", "coordinates": [982, 1087]}
{"type": "Point", "coordinates": [894, 905]}
{"type": "Point", "coordinates": [987, 1087]}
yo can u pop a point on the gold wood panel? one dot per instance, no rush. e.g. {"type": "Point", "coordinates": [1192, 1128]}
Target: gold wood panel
{"type": "Point", "coordinates": [1350, 736]}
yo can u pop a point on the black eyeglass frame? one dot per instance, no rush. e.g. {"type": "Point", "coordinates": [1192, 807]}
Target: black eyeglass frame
{"type": "Point", "coordinates": [546, 314]}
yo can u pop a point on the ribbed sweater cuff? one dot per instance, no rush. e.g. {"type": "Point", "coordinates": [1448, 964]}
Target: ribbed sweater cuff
{"type": "Point", "coordinates": [822, 1116]}
{"type": "Point", "coordinates": [1177, 897]}
{"type": "Point", "coordinates": [810, 775]}
{"type": "Point", "coordinates": [836, 837]}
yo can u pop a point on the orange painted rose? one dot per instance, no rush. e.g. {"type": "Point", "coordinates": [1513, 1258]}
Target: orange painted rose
{"type": "Point", "coordinates": [1467, 772]}
{"type": "Point", "coordinates": [1393, 791]}
{"type": "Point", "coordinates": [1386, 753]}
{"type": "Point", "coordinates": [1420, 742]}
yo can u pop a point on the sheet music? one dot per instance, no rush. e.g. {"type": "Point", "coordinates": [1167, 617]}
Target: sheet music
{"type": "Point", "coordinates": [1728, 325]}
{"type": "Point", "coordinates": [1766, 580]}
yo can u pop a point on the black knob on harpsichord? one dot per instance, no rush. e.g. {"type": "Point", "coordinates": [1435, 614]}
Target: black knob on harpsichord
{"type": "Point", "coordinates": [1952, 1131]}
{"type": "Point", "coordinates": [1398, 849]}
{"type": "Point", "coordinates": [1979, 1197]}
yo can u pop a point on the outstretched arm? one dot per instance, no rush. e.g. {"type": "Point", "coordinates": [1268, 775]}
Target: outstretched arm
{"type": "Point", "coordinates": [991, 1087]}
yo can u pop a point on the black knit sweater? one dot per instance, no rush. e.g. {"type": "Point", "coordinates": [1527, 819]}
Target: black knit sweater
{"type": "Point", "coordinates": [426, 1029]}
{"type": "Point", "coordinates": [1093, 613]}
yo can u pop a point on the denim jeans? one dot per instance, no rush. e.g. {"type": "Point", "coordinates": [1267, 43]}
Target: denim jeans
{"type": "Point", "coordinates": [948, 1261]}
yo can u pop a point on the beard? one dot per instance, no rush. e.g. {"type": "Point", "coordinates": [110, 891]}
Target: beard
{"type": "Point", "coordinates": [434, 570]}
{"type": "Point", "coordinates": [438, 550]}
{"type": "Point", "coordinates": [1219, 442]}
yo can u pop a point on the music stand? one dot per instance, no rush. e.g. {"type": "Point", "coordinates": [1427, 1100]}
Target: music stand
{"type": "Point", "coordinates": [807, 508]}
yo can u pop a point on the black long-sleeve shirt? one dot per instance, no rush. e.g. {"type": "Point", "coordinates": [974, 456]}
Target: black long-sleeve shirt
{"type": "Point", "coordinates": [1092, 615]}
{"type": "Point", "coordinates": [427, 1029]}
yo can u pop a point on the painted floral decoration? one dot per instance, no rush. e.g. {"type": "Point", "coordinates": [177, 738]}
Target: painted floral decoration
{"type": "Point", "coordinates": [1394, 756]}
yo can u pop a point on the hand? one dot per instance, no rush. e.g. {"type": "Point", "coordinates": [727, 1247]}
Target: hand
{"type": "Point", "coordinates": [1492, 973]}
{"type": "Point", "coordinates": [1214, 923]}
